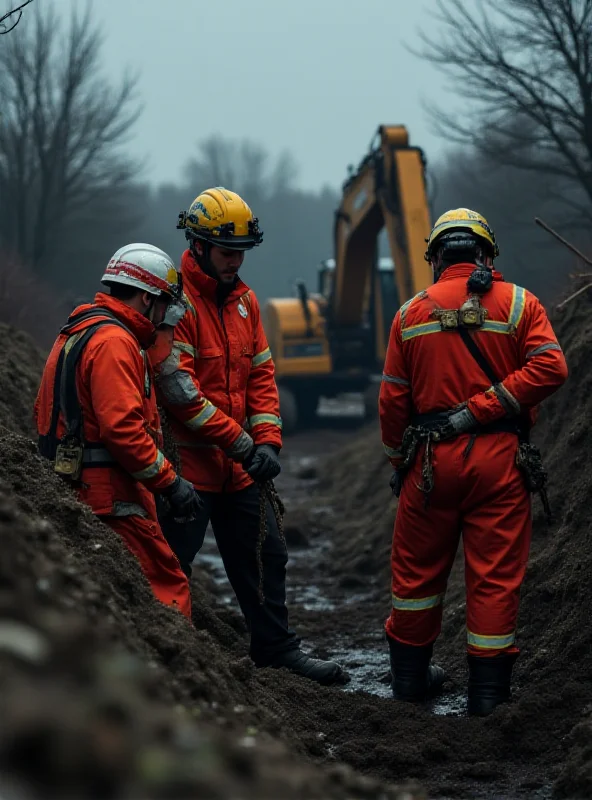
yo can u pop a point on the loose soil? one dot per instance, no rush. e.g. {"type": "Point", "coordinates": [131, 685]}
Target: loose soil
{"type": "Point", "coordinates": [106, 693]}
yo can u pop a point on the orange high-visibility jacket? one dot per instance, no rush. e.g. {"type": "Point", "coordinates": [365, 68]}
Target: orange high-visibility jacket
{"type": "Point", "coordinates": [219, 381]}
{"type": "Point", "coordinates": [427, 369]}
{"type": "Point", "coordinates": [123, 464]}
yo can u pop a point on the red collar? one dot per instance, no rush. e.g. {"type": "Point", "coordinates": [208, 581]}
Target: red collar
{"type": "Point", "coordinates": [196, 278]}
{"type": "Point", "coordinates": [140, 326]}
{"type": "Point", "coordinates": [464, 271]}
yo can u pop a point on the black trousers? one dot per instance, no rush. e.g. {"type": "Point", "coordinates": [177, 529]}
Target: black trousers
{"type": "Point", "coordinates": [235, 522]}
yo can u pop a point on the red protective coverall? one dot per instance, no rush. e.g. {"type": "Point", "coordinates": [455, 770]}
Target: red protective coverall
{"type": "Point", "coordinates": [120, 414]}
{"type": "Point", "coordinates": [480, 492]}
{"type": "Point", "coordinates": [218, 381]}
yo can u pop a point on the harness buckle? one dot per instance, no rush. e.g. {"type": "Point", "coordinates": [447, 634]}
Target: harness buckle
{"type": "Point", "coordinates": [470, 315]}
{"type": "Point", "coordinates": [68, 458]}
{"type": "Point", "coordinates": [448, 318]}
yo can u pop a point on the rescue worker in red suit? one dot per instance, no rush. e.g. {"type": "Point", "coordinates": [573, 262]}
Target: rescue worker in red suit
{"type": "Point", "coordinates": [219, 390]}
{"type": "Point", "coordinates": [97, 399]}
{"type": "Point", "coordinates": [471, 424]}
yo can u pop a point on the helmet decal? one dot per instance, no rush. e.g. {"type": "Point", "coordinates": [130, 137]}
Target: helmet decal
{"type": "Point", "coordinates": [220, 217]}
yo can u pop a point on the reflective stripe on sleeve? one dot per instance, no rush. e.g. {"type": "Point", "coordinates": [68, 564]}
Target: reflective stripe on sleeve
{"type": "Point", "coordinates": [392, 453]}
{"type": "Point", "coordinates": [261, 358]}
{"type": "Point", "coordinates": [151, 471]}
{"type": "Point", "coordinates": [204, 415]}
{"type": "Point", "coordinates": [543, 348]}
{"type": "Point", "coordinates": [263, 419]}
{"type": "Point", "coordinates": [507, 399]}
{"type": "Point", "coordinates": [185, 347]}
{"type": "Point", "coordinates": [393, 379]}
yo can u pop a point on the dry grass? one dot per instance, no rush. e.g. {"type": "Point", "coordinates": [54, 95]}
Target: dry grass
{"type": "Point", "coordinates": [28, 304]}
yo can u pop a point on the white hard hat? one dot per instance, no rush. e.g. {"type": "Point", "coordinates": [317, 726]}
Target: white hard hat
{"type": "Point", "coordinates": [149, 269]}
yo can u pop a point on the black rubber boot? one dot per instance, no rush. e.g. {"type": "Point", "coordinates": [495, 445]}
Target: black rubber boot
{"type": "Point", "coordinates": [489, 682]}
{"type": "Point", "coordinates": [414, 679]}
{"type": "Point", "coordinates": [323, 672]}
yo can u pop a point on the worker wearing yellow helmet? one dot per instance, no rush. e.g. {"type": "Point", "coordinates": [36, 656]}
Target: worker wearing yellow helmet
{"type": "Point", "coordinates": [219, 388]}
{"type": "Point", "coordinates": [468, 361]}
{"type": "Point", "coordinates": [460, 234]}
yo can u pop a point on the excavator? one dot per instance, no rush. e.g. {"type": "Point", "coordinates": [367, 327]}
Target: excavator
{"type": "Point", "coordinates": [333, 341]}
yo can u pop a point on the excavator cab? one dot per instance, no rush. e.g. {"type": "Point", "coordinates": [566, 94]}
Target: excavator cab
{"type": "Point", "coordinates": [381, 300]}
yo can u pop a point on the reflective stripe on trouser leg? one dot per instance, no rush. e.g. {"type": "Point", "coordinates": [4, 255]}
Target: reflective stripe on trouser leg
{"type": "Point", "coordinates": [499, 642]}
{"type": "Point", "coordinates": [496, 538]}
{"type": "Point", "coordinates": [417, 603]}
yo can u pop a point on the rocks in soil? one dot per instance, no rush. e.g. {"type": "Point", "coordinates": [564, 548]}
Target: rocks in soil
{"type": "Point", "coordinates": [106, 693]}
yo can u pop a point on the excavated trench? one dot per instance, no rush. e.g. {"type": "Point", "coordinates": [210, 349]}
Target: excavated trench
{"type": "Point", "coordinates": [104, 693]}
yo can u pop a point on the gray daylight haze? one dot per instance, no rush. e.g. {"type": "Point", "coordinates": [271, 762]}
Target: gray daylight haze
{"type": "Point", "coordinates": [276, 100]}
{"type": "Point", "coordinates": [313, 77]}
{"type": "Point", "coordinates": [295, 399]}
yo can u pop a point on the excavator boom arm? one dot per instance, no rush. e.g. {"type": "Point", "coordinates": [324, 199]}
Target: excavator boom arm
{"type": "Point", "coordinates": [388, 190]}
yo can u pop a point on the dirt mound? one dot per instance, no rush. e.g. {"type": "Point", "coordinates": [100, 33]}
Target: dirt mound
{"type": "Point", "coordinates": [104, 691]}
{"type": "Point", "coordinates": [354, 489]}
{"type": "Point", "coordinates": [102, 658]}
{"type": "Point", "coordinates": [21, 365]}
{"type": "Point", "coordinates": [77, 600]}
{"type": "Point", "coordinates": [83, 717]}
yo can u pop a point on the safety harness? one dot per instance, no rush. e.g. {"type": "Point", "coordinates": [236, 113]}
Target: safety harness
{"type": "Point", "coordinates": [71, 453]}
{"type": "Point", "coordinates": [435, 426]}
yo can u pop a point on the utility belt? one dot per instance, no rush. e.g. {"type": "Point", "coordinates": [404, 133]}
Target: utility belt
{"type": "Point", "coordinates": [70, 456]}
{"type": "Point", "coordinates": [437, 422]}
{"type": "Point", "coordinates": [434, 427]}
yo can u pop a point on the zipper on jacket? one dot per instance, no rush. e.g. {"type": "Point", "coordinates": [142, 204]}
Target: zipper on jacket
{"type": "Point", "coordinates": [221, 318]}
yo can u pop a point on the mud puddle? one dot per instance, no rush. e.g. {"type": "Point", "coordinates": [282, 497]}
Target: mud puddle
{"type": "Point", "coordinates": [368, 667]}
{"type": "Point", "coordinates": [343, 621]}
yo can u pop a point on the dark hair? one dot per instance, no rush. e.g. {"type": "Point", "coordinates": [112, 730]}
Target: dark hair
{"type": "Point", "coordinates": [461, 247]}
{"type": "Point", "coordinates": [122, 291]}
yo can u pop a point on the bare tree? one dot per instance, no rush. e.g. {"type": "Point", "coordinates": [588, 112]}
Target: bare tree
{"type": "Point", "coordinates": [525, 68]}
{"type": "Point", "coordinates": [62, 165]}
{"type": "Point", "coordinates": [12, 17]}
{"type": "Point", "coordinates": [242, 166]}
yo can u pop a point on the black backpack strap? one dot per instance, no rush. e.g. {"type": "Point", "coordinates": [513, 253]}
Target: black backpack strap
{"type": "Point", "coordinates": [92, 313]}
{"type": "Point", "coordinates": [65, 394]}
{"type": "Point", "coordinates": [68, 394]}
{"type": "Point", "coordinates": [477, 354]}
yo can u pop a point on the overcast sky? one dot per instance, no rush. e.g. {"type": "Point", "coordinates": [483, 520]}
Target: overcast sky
{"type": "Point", "coordinates": [315, 77]}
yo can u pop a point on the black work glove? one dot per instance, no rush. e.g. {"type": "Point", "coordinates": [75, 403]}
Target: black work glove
{"type": "Point", "coordinates": [462, 421]}
{"type": "Point", "coordinates": [262, 463]}
{"type": "Point", "coordinates": [396, 482]}
{"type": "Point", "coordinates": [183, 498]}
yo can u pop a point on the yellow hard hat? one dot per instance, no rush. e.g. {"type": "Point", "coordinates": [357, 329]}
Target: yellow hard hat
{"type": "Point", "coordinates": [221, 217]}
{"type": "Point", "coordinates": [461, 219]}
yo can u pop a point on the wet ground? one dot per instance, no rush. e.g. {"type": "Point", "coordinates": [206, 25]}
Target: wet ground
{"type": "Point", "coordinates": [59, 561]}
{"type": "Point", "coordinates": [338, 596]}
{"type": "Point", "coordinates": [314, 595]}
